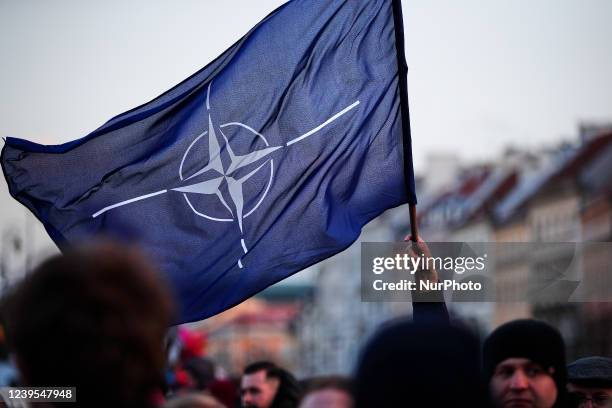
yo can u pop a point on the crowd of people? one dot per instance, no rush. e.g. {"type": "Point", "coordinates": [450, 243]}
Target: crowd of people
{"type": "Point", "coordinates": [97, 319]}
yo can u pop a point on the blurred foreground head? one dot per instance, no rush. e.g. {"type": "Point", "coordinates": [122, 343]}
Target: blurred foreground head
{"type": "Point", "coordinates": [420, 365]}
{"type": "Point", "coordinates": [328, 392]}
{"type": "Point", "coordinates": [93, 319]}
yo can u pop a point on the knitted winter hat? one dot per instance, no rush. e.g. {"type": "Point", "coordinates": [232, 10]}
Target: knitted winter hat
{"type": "Point", "coordinates": [531, 339]}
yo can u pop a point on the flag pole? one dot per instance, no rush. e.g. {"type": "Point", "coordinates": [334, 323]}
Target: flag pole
{"type": "Point", "coordinates": [414, 230]}
{"type": "Point", "coordinates": [406, 136]}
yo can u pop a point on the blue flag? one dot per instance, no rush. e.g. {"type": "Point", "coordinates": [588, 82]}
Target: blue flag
{"type": "Point", "coordinates": [266, 161]}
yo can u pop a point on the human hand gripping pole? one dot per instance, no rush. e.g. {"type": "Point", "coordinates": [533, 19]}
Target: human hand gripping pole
{"type": "Point", "coordinates": [427, 306]}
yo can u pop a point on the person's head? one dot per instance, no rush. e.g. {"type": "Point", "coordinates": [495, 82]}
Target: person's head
{"type": "Point", "coordinates": [195, 400]}
{"type": "Point", "coordinates": [265, 385]}
{"type": "Point", "coordinates": [589, 381]}
{"type": "Point", "coordinates": [328, 392]}
{"type": "Point", "coordinates": [421, 365]}
{"type": "Point", "coordinates": [202, 370]}
{"type": "Point", "coordinates": [524, 365]}
{"type": "Point", "coordinates": [94, 319]}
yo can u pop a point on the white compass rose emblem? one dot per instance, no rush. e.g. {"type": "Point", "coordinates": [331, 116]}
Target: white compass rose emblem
{"type": "Point", "coordinates": [225, 181]}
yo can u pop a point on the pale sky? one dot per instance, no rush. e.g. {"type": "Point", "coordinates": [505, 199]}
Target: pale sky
{"type": "Point", "coordinates": [482, 73]}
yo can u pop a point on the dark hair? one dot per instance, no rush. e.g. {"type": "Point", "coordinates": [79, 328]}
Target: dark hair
{"type": "Point", "coordinates": [92, 319]}
{"type": "Point", "coordinates": [202, 370]}
{"type": "Point", "coordinates": [289, 390]}
{"type": "Point", "coordinates": [271, 369]}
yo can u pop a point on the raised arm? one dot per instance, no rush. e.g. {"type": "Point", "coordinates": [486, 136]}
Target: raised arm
{"type": "Point", "coordinates": [427, 306]}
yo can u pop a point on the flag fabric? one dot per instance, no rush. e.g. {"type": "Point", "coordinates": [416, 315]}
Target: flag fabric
{"type": "Point", "coordinates": [266, 161]}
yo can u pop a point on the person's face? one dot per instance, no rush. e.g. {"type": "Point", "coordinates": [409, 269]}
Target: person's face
{"type": "Point", "coordinates": [258, 391]}
{"type": "Point", "coordinates": [521, 383]}
{"type": "Point", "coordinates": [327, 398]}
{"type": "Point", "coordinates": [587, 397]}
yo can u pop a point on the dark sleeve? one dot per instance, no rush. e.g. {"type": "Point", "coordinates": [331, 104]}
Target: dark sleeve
{"type": "Point", "coordinates": [429, 307]}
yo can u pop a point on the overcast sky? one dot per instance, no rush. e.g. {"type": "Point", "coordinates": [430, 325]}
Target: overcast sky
{"type": "Point", "coordinates": [482, 74]}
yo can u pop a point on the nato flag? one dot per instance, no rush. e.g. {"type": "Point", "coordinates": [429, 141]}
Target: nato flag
{"type": "Point", "coordinates": [266, 161]}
